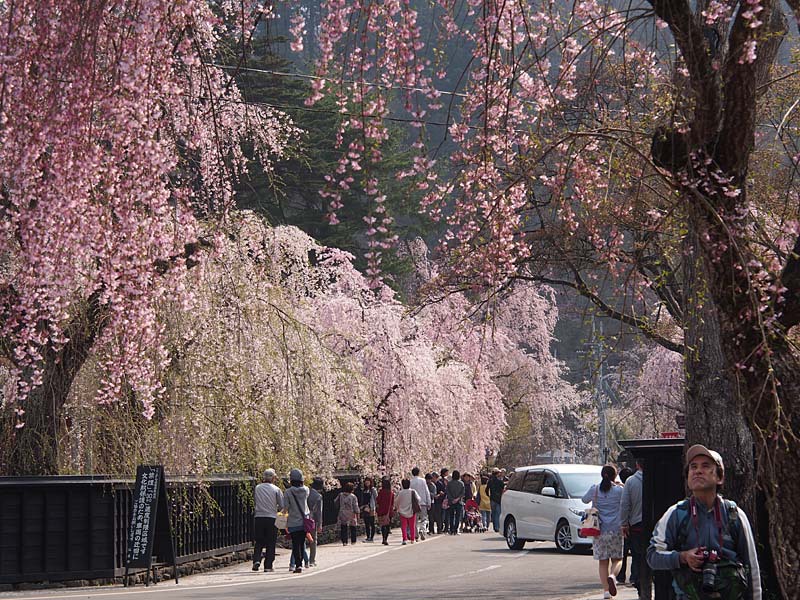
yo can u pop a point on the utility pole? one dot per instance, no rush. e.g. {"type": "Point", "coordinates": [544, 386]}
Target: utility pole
{"type": "Point", "coordinates": [594, 351]}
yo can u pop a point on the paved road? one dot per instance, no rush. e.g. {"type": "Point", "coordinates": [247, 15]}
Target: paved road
{"type": "Point", "coordinates": [466, 566]}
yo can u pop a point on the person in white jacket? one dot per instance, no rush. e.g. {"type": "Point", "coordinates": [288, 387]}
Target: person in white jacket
{"type": "Point", "coordinates": [404, 505]}
{"type": "Point", "coordinates": [419, 485]}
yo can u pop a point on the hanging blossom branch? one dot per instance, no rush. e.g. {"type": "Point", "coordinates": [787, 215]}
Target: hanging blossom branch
{"type": "Point", "coordinates": [114, 137]}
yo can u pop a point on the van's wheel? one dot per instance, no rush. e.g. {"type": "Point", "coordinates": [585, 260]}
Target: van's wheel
{"type": "Point", "coordinates": [563, 537]}
{"type": "Point", "coordinates": [513, 542]}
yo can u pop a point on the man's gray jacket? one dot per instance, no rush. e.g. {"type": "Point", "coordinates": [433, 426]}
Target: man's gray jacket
{"type": "Point", "coordinates": [631, 503]}
{"type": "Point", "coordinates": [666, 546]}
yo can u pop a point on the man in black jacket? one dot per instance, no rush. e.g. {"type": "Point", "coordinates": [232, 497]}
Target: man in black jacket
{"type": "Point", "coordinates": [495, 487]}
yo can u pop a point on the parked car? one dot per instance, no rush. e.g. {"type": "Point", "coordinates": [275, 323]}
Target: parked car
{"type": "Point", "coordinates": [543, 503]}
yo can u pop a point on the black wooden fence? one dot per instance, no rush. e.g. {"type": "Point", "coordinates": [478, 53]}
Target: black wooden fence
{"type": "Point", "coordinates": [63, 528]}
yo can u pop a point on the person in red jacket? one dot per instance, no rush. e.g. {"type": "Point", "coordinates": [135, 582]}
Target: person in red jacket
{"type": "Point", "coordinates": [384, 509]}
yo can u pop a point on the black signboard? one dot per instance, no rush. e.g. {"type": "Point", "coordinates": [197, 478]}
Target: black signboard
{"type": "Point", "coordinates": [150, 530]}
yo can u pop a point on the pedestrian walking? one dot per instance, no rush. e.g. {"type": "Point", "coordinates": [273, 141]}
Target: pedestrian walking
{"type": "Point", "coordinates": [296, 502]}
{"type": "Point", "coordinates": [432, 494]}
{"type": "Point", "coordinates": [292, 563]}
{"type": "Point", "coordinates": [418, 485]}
{"type": "Point", "coordinates": [438, 513]}
{"type": "Point", "coordinates": [496, 486]}
{"type": "Point", "coordinates": [470, 492]}
{"type": "Point", "coordinates": [624, 474]}
{"type": "Point", "coordinates": [470, 489]}
{"type": "Point", "coordinates": [444, 479]}
{"type": "Point", "coordinates": [407, 505]}
{"type": "Point", "coordinates": [268, 503]}
{"type": "Point", "coordinates": [367, 504]}
{"type": "Point", "coordinates": [484, 502]}
{"type": "Point", "coordinates": [455, 503]}
{"type": "Point", "coordinates": [385, 508]}
{"type": "Point", "coordinates": [315, 506]}
{"type": "Point", "coordinates": [706, 540]}
{"type": "Point", "coordinates": [633, 531]}
{"type": "Point", "coordinates": [347, 504]}
{"type": "Point", "coordinates": [607, 547]}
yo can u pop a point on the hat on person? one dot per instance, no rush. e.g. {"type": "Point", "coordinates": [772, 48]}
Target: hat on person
{"type": "Point", "coordinates": [269, 474]}
{"type": "Point", "coordinates": [495, 470]}
{"type": "Point", "coordinates": [700, 450]}
{"type": "Point", "coordinates": [295, 475]}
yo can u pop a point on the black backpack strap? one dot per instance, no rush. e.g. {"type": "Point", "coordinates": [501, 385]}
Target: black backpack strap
{"type": "Point", "coordinates": [733, 526]}
{"type": "Point", "coordinates": [683, 524]}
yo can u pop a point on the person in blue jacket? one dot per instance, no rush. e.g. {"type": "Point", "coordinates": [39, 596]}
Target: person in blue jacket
{"type": "Point", "coordinates": [706, 540]}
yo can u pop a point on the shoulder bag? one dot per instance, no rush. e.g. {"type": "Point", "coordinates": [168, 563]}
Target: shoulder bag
{"type": "Point", "coordinates": [414, 502]}
{"type": "Point", "coordinates": [590, 522]}
{"type": "Point", "coordinates": [309, 524]}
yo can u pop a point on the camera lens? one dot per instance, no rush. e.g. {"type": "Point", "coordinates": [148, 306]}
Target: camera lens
{"type": "Point", "coordinates": [709, 576]}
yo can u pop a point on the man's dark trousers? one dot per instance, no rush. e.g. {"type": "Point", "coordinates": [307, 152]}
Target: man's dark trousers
{"type": "Point", "coordinates": [435, 518]}
{"type": "Point", "coordinates": [640, 572]}
{"type": "Point", "coordinates": [265, 536]}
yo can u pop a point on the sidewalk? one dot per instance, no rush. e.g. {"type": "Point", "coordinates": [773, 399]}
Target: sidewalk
{"type": "Point", "coordinates": [623, 593]}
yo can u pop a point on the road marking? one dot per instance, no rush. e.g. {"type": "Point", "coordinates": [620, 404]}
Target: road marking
{"type": "Point", "coordinates": [490, 568]}
{"type": "Point", "coordinates": [293, 577]}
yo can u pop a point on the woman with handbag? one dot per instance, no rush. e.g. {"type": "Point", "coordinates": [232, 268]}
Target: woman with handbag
{"type": "Point", "coordinates": [384, 505]}
{"type": "Point", "coordinates": [366, 502]}
{"type": "Point", "coordinates": [348, 513]}
{"type": "Point", "coordinates": [407, 505]}
{"type": "Point", "coordinates": [607, 547]}
{"type": "Point", "coordinates": [296, 502]}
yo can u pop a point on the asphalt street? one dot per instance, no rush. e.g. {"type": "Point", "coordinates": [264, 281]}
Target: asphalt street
{"type": "Point", "coordinates": [467, 566]}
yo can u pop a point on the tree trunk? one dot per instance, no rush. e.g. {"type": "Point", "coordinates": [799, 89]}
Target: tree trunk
{"type": "Point", "coordinates": [33, 449]}
{"type": "Point", "coordinates": [714, 415]}
{"type": "Point", "coordinates": [767, 376]}
{"type": "Point", "coordinates": [775, 428]}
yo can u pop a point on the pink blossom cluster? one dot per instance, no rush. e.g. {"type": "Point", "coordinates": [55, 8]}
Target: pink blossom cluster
{"type": "Point", "coordinates": [115, 135]}
{"type": "Point", "coordinates": [527, 71]}
{"type": "Point", "coordinates": [717, 10]}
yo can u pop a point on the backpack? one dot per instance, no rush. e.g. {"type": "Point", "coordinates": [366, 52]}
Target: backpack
{"type": "Point", "coordinates": [732, 578]}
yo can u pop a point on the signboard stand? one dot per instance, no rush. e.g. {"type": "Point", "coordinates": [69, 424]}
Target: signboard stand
{"type": "Point", "coordinates": [150, 530]}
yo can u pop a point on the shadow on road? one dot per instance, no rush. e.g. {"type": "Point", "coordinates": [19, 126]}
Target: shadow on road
{"type": "Point", "coordinates": [533, 551]}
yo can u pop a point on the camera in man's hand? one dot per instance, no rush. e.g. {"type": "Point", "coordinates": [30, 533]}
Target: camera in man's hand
{"type": "Point", "coordinates": [710, 560]}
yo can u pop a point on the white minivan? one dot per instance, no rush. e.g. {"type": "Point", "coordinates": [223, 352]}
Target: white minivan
{"type": "Point", "coordinates": [543, 503]}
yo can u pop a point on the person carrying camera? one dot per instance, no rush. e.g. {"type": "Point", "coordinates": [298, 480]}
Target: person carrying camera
{"type": "Point", "coordinates": [706, 540]}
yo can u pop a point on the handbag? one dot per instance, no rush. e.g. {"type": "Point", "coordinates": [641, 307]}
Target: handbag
{"type": "Point", "coordinates": [280, 520]}
{"type": "Point", "coordinates": [590, 522]}
{"type": "Point", "coordinates": [445, 504]}
{"type": "Point", "coordinates": [309, 524]}
{"type": "Point", "coordinates": [415, 503]}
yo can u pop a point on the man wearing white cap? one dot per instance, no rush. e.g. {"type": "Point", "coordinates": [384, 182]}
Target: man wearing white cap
{"type": "Point", "coordinates": [268, 503]}
{"type": "Point", "coordinates": [706, 540]}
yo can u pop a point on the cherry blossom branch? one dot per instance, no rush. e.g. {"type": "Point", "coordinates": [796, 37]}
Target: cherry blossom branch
{"type": "Point", "coordinates": [580, 286]}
